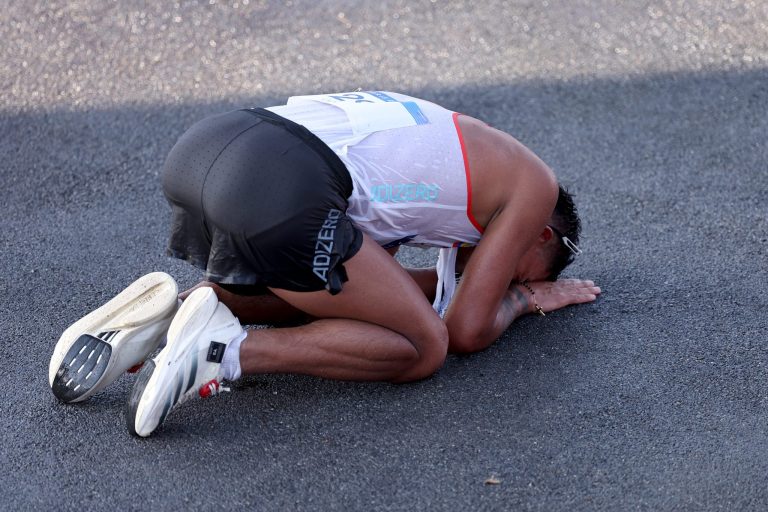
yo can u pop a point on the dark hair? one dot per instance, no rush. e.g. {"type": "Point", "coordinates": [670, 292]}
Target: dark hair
{"type": "Point", "coordinates": [565, 219]}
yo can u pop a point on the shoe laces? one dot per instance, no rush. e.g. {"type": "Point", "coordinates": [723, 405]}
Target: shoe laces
{"type": "Point", "coordinates": [207, 390]}
{"type": "Point", "coordinates": [212, 388]}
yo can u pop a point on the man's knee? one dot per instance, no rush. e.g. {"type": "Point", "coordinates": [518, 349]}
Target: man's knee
{"type": "Point", "coordinates": [433, 350]}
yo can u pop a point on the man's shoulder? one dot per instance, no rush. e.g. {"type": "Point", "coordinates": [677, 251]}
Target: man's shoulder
{"type": "Point", "coordinates": [500, 149]}
{"type": "Point", "coordinates": [500, 165]}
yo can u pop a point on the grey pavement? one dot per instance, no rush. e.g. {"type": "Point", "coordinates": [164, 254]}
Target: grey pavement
{"type": "Point", "coordinates": [655, 113]}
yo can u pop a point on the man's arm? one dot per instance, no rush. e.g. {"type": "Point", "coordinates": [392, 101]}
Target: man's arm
{"type": "Point", "coordinates": [547, 295]}
{"type": "Point", "coordinates": [483, 307]}
{"type": "Point", "coordinates": [518, 301]}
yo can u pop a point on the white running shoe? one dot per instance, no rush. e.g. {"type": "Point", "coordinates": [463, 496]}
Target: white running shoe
{"type": "Point", "coordinates": [98, 348]}
{"type": "Point", "coordinates": [189, 364]}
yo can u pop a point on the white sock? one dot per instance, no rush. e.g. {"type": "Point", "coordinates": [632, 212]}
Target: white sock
{"type": "Point", "coordinates": [230, 363]}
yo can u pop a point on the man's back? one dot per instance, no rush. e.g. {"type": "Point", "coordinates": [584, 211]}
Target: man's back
{"type": "Point", "coordinates": [407, 162]}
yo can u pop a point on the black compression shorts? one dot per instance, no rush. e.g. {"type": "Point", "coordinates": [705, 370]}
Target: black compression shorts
{"type": "Point", "coordinates": [259, 200]}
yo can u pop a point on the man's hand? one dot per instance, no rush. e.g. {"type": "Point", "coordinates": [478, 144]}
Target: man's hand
{"type": "Point", "coordinates": [553, 295]}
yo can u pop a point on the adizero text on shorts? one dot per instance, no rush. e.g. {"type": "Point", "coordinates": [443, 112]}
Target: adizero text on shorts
{"type": "Point", "coordinates": [259, 200]}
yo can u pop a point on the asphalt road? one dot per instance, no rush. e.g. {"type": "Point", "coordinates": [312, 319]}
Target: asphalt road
{"type": "Point", "coordinates": [654, 113]}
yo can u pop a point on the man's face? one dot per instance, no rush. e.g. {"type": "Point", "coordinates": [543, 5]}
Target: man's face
{"type": "Point", "coordinates": [534, 265]}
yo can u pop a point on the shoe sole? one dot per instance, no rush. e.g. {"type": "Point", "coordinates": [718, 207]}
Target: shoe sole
{"type": "Point", "coordinates": [98, 348]}
{"type": "Point", "coordinates": [157, 376]}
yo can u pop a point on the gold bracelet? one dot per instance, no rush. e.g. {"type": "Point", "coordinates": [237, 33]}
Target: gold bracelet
{"type": "Point", "coordinates": [533, 295]}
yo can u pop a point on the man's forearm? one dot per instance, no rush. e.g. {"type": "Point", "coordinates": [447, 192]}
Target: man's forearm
{"type": "Point", "coordinates": [515, 303]}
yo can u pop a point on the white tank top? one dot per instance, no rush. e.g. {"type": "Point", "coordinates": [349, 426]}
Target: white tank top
{"type": "Point", "coordinates": [406, 158]}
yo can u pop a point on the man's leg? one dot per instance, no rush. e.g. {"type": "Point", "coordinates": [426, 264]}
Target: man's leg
{"type": "Point", "coordinates": [262, 309]}
{"type": "Point", "coordinates": [268, 308]}
{"type": "Point", "coordinates": [380, 327]}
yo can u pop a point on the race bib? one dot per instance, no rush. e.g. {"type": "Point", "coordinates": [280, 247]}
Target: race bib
{"type": "Point", "coordinates": [371, 111]}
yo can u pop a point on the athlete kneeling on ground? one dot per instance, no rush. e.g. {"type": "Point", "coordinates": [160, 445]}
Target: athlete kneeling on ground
{"type": "Point", "coordinates": [294, 213]}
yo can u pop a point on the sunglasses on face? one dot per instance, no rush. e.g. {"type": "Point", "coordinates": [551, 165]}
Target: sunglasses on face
{"type": "Point", "coordinates": [566, 241]}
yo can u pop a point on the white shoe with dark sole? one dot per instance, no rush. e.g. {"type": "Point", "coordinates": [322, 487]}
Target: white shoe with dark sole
{"type": "Point", "coordinates": [94, 351]}
{"type": "Point", "coordinates": [188, 366]}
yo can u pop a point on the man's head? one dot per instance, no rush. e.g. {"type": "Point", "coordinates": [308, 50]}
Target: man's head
{"type": "Point", "coordinates": [566, 227]}
{"type": "Point", "coordinates": [556, 245]}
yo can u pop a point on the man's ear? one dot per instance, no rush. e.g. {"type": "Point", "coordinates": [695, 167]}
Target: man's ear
{"type": "Point", "coordinates": [546, 235]}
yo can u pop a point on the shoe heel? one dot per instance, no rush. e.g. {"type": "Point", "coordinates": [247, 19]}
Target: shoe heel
{"type": "Point", "coordinates": [193, 314]}
{"type": "Point", "coordinates": [153, 296]}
